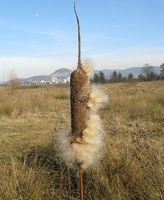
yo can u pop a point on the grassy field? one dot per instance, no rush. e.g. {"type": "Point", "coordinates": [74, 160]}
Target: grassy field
{"type": "Point", "coordinates": [132, 166]}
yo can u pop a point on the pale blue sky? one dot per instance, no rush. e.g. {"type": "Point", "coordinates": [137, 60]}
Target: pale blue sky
{"type": "Point", "coordinates": [39, 36]}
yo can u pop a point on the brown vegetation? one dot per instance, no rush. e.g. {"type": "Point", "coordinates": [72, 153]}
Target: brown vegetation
{"type": "Point", "coordinates": [131, 169]}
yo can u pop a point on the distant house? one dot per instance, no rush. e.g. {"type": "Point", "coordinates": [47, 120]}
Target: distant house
{"type": "Point", "coordinates": [54, 79]}
{"type": "Point", "coordinates": [58, 80]}
{"type": "Point", "coordinates": [61, 76]}
{"type": "Point", "coordinates": [68, 79]}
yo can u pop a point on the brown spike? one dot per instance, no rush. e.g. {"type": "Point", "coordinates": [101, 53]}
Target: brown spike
{"type": "Point", "coordinates": [79, 37]}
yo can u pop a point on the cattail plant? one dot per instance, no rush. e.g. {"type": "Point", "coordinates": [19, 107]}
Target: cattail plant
{"type": "Point", "coordinates": [84, 144]}
{"type": "Point", "coordinates": [85, 123]}
{"type": "Point", "coordinates": [80, 93]}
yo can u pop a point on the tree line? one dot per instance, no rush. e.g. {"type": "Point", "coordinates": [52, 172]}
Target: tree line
{"type": "Point", "coordinates": [147, 74]}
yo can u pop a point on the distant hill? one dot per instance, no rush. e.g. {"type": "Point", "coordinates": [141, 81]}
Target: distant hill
{"type": "Point", "coordinates": [125, 72]}
{"type": "Point", "coordinates": [62, 75]}
{"type": "Point", "coordinates": [38, 78]}
{"type": "Point", "coordinates": [59, 76]}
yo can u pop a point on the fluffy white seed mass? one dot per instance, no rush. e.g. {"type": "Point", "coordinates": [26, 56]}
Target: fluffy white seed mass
{"type": "Point", "coordinates": [88, 150]}
{"type": "Point", "coordinates": [88, 68]}
{"type": "Point", "coordinates": [97, 98]}
{"type": "Point", "coordinates": [64, 148]}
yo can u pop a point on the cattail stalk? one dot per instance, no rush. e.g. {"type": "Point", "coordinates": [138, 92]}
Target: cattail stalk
{"type": "Point", "coordinates": [80, 93]}
{"type": "Point", "coordinates": [81, 184]}
{"type": "Point", "coordinates": [79, 38]}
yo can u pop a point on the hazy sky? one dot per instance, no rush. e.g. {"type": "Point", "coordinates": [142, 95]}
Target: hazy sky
{"type": "Point", "coordinates": [39, 36]}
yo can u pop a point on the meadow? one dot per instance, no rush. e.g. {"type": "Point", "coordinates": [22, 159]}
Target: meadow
{"type": "Point", "coordinates": [132, 165]}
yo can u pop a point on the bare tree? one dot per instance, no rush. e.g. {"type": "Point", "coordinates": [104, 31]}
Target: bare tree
{"type": "Point", "coordinates": [13, 80]}
{"type": "Point", "coordinates": [148, 72]}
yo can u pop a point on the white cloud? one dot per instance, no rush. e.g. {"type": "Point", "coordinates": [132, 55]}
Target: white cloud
{"type": "Point", "coordinates": [123, 58]}
{"type": "Point", "coordinates": [30, 66]}
{"type": "Point", "coordinates": [131, 57]}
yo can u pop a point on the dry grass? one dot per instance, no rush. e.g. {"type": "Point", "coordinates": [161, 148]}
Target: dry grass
{"type": "Point", "coordinates": [132, 165]}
